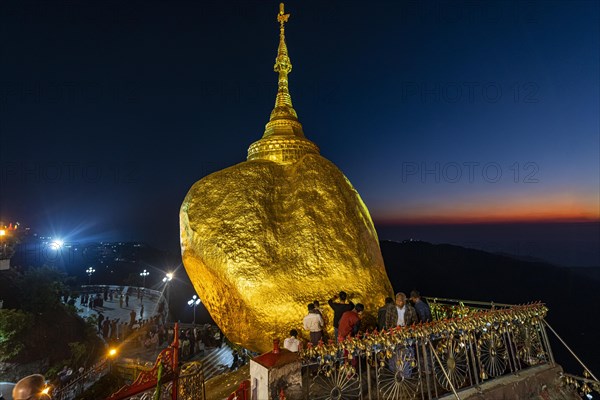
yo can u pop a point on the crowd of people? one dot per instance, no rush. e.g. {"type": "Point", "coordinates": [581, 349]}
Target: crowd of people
{"type": "Point", "coordinates": [195, 340]}
{"type": "Point", "coordinates": [347, 317]}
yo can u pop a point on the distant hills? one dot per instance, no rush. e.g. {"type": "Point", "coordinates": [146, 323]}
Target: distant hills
{"type": "Point", "coordinates": [448, 271]}
{"type": "Point", "coordinates": [436, 270]}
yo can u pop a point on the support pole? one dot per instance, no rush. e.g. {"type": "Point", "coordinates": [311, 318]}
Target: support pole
{"type": "Point", "coordinates": [444, 371]}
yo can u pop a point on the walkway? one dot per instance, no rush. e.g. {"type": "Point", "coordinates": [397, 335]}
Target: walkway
{"type": "Point", "coordinates": [112, 309]}
{"type": "Point", "coordinates": [216, 359]}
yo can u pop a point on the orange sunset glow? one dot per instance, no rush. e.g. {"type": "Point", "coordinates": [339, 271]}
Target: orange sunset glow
{"type": "Point", "coordinates": [557, 208]}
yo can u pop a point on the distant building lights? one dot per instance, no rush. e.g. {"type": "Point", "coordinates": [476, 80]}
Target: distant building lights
{"type": "Point", "coordinates": [144, 274]}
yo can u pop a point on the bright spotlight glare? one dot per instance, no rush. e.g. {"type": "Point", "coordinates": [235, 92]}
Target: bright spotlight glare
{"type": "Point", "coordinates": [56, 244]}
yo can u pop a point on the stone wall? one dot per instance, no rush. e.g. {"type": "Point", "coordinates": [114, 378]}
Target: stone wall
{"type": "Point", "coordinates": [538, 383]}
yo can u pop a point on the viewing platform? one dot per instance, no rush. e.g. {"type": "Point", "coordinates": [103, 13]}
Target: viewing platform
{"type": "Point", "coordinates": [472, 350]}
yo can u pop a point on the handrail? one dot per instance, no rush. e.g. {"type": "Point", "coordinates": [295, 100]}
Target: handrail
{"type": "Point", "coordinates": [579, 378]}
{"type": "Point", "coordinates": [147, 291]}
{"type": "Point", "coordinates": [160, 296]}
{"type": "Point", "coordinates": [462, 302]}
{"type": "Point", "coordinates": [571, 351]}
{"type": "Point", "coordinates": [97, 371]}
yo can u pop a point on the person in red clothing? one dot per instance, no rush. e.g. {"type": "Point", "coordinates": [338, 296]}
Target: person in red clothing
{"type": "Point", "coordinates": [350, 322]}
{"type": "Point", "coordinates": [349, 325]}
{"type": "Point", "coordinates": [339, 308]}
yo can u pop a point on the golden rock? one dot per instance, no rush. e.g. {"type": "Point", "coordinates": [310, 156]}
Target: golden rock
{"type": "Point", "coordinates": [263, 238]}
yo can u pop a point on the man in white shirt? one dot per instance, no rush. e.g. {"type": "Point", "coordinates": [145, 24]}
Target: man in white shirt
{"type": "Point", "coordinates": [406, 316]}
{"type": "Point", "coordinates": [313, 322]}
{"type": "Point", "coordinates": [292, 343]}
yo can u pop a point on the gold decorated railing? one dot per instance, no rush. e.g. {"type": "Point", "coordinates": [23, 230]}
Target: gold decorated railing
{"type": "Point", "coordinates": [191, 382]}
{"type": "Point", "coordinates": [442, 308]}
{"type": "Point", "coordinates": [478, 343]}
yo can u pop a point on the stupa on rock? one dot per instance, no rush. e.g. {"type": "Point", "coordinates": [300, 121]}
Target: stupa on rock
{"type": "Point", "coordinates": [263, 238]}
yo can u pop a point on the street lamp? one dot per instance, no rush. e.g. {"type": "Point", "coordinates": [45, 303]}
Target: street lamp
{"type": "Point", "coordinates": [110, 356]}
{"type": "Point", "coordinates": [90, 271]}
{"type": "Point", "coordinates": [168, 278]}
{"type": "Point", "coordinates": [144, 273]}
{"type": "Point", "coordinates": [193, 302]}
{"type": "Point", "coordinates": [3, 238]}
{"type": "Point", "coordinates": [56, 244]}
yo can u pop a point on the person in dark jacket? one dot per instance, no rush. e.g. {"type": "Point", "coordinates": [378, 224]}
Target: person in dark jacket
{"type": "Point", "coordinates": [381, 325]}
{"type": "Point", "coordinates": [339, 308]}
{"type": "Point", "coordinates": [422, 308]}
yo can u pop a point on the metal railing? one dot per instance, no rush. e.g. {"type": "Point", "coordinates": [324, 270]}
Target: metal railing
{"type": "Point", "coordinates": [132, 290]}
{"type": "Point", "coordinates": [452, 308]}
{"type": "Point", "coordinates": [583, 384]}
{"type": "Point", "coordinates": [428, 361]}
{"type": "Point", "coordinates": [151, 294]}
{"type": "Point", "coordinates": [82, 382]}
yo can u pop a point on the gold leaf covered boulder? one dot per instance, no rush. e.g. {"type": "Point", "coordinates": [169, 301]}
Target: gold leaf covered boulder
{"type": "Point", "coordinates": [263, 238]}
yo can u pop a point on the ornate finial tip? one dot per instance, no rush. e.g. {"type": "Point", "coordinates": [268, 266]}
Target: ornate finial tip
{"type": "Point", "coordinates": [282, 17]}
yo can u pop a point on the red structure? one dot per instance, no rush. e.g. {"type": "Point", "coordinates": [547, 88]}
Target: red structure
{"type": "Point", "coordinates": [168, 359]}
{"type": "Point", "coordinates": [241, 393]}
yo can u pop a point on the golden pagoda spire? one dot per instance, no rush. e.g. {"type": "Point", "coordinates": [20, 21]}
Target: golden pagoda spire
{"type": "Point", "coordinates": [283, 140]}
{"type": "Point", "coordinates": [283, 65]}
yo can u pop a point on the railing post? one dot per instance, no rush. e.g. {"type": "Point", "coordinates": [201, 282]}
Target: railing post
{"type": "Point", "coordinates": [428, 367]}
{"type": "Point", "coordinates": [445, 373]}
{"type": "Point", "coordinates": [476, 360]}
{"type": "Point", "coordinates": [175, 365]}
{"type": "Point", "coordinates": [369, 376]}
{"type": "Point", "coordinates": [546, 342]}
{"type": "Point", "coordinates": [513, 355]}
{"type": "Point", "coordinates": [432, 361]}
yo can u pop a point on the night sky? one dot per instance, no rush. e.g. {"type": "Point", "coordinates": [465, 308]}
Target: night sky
{"type": "Point", "coordinates": [447, 117]}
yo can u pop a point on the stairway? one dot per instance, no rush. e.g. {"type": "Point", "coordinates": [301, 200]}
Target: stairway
{"type": "Point", "coordinates": [216, 361]}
